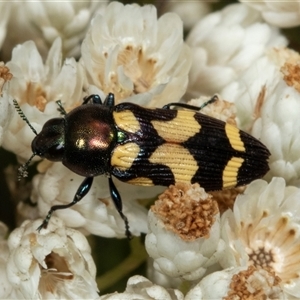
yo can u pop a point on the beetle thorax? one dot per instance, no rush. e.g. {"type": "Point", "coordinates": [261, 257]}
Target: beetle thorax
{"type": "Point", "coordinates": [89, 139]}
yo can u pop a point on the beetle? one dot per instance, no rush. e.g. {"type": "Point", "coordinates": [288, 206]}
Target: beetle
{"type": "Point", "coordinates": [144, 146]}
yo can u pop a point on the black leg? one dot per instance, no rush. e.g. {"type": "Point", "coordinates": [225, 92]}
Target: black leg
{"type": "Point", "coordinates": [81, 192]}
{"type": "Point", "coordinates": [95, 99]}
{"type": "Point", "coordinates": [192, 107]}
{"type": "Point", "coordinates": [110, 100]}
{"type": "Point", "coordinates": [118, 204]}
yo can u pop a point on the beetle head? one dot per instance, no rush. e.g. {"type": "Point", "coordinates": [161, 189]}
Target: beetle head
{"type": "Point", "coordinates": [50, 142]}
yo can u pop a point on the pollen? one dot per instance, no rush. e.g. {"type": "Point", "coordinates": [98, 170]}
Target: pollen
{"type": "Point", "coordinates": [226, 198]}
{"type": "Point", "coordinates": [253, 284]}
{"type": "Point", "coordinates": [187, 210]}
{"type": "Point", "coordinates": [138, 67]}
{"type": "Point", "coordinates": [291, 69]}
{"type": "Point", "coordinates": [262, 257]}
{"type": "Point", "coordinates": [5, 75]}
{"type": "Point", "coordinates": [36, 96]}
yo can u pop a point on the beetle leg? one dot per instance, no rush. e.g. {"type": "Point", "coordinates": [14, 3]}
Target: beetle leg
{"type": "Point", "coordinates": [118, 204]}
{"type": "Point", "coordinates": [192, 107]}
{"type": "Point", "coordinates": [95, 99]}
{"type": "Point", "coordinates": [110, 100]}
{"type": "Point", "coordinates": [81, 192]}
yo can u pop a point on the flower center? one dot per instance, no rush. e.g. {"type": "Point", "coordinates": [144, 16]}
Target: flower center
{"type": "Point", "coordinates": [139, 68]}
{"type": "Point", "coordinates": [261, 257]}
{"type": "Point", "coordinates": [274, 247]}
{"type": "Point", "coordinates": [57, 271]}
{"type": "Point", "coordinates": [36, 96]}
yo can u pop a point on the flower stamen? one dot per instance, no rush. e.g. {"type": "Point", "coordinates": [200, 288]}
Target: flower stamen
{"type": "Point", "coordinates": [187, 210]}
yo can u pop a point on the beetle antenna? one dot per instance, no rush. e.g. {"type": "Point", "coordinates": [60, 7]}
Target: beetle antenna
{"type": "Point", "coordinates": [61, 108]}
{"type": "Point", "coordinates": [22, 171]}
{"type": "Point", "coordinates": [22, 115]}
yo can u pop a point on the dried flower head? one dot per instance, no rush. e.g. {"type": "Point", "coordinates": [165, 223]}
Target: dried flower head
{"type": "Point", "coordinates": [238, 283]}
{"type": "Point", "coordinates": [187, 210]}
{"type": "Point", "coordinates": [184, 232]}
{"type": "Point", "coordinates": [291, 69]}
{"type": "Point", "coordinates": [254, 284]}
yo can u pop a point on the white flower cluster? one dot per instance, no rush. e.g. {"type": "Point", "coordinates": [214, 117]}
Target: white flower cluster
{"type": "Point", "coordinates": [44, 21]}
{"type": "Point", "coordinates": [255, 246]}
{"type": "Point", "coordinates": [52, 264]}
{"type": "Point", "coordinates": [279, 13]}
{"type": "Point", "coordinates": [138, 57]}
{"type": "Point", "coordinates": [224, 44]}
{"type": "Point", "coordinates": [236, 244]}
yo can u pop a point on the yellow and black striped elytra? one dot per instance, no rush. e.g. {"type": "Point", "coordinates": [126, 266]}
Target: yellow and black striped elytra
{"type": "Point", "coordinates": [164, 146]}
{"type": "Point", "coordinates": [147, 147]}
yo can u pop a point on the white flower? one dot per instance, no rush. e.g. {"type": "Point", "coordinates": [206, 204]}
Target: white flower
{"type": "Point", "coordinates": [238, 283]}
{"type": "Point", "coordinates": [5, 286]}
{"type": "Point", "coordinates": [135, 56]}
{"type": "Point", "coordinates": [6, 113]}
{"type": "Point", "coordinates": [184, 232]}
{"type": "Point", "coordinates": [139, 287]}
{"type": "Point", "coordinates": [95, 213]}
{"type": "Point", "coordinates": [264, 230]}
{"type": "Point", "coordinates": [224, 44]}
{"type": "Point", "coordinates": [55, 263]}
{"type": "Point", "coordinates": [6, 109]}
{"type": "Point", "coordinates": [5, 12]}
{"type": "Point", "coordinates": [278, 13]}
{"type": "Point", "coordinates": [159, 278]}
{"type": "Point", "coordinates": [36, 86]}
{"type": "Point", "coordinates": [219, 109]}
{"type": "Point", "coordinates": [190, 12]}
{"type": "Point", "coordinates": [44, 21]}
{"type": "Point", "coordinates": [267, 98]}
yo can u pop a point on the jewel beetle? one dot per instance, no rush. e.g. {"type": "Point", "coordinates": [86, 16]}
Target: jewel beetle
{"type": "Point", "coordinates": [144, 146]}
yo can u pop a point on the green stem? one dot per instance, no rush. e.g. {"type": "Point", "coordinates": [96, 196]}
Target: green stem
{"type": "Point", "coordinates": [137, 256]}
